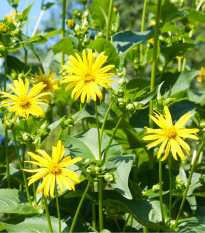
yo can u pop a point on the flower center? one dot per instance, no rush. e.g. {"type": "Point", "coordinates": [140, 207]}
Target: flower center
{"type": "Point", "coordinates": [24, 102]}
{"type": "Point", "coordinates": [89, 77]}
{"type": "Point", "coordinates": [55, 169]}
{"type": "Point", "coordinates": [171, 132]}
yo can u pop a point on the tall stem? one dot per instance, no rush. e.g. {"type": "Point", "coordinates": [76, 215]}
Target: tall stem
{"type": "Point", "coordinates": [79, 206]}
{"type": "Point", "coordinates": [179, 63]}
{"type": "Point", "coordinates": [58, 208]}
{"type": "Point", "coordinates": [170, 188]}
{"type": "Point", "coordinates": [142, 27]}
{"type": "Point", "coordinates": [38, 22]}
{"type": "Point", "coordinates": [47, 214]}
{"type": "Point", "coordinates": [63, 29]}
{"type": "Point", "coordinates": [104, 121]}
{"type": "Point", "coordinates": [100, 196]}
{"type": "Point", "coordinates": [21, 167]}
{"type": "Point", "coordinates": [109, 19]}
{"type": "Point", "coordinates": [6, 131]}
{"type": "Point", "coordinates": [26, 52]}
{"type": "Point", "coordinates": [188, 183]}
{"type": "Point", "coordinates": [160, 190]}
{"type": "Point", "coordinates": [93, 210]}
{"type": "Point", "coordinates": [98, 129]}
{"type": "Point", "coordinates": [100, 186]}
{"type": "Point", "coordinates": [154, 68]}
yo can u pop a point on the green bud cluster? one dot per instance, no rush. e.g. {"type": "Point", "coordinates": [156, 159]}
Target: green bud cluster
{"type": "Point", "coordinates": [155, 188]}
{"type": "Point", "coordinates": [93, 170]}
{"type": "Point", "coordinates": [44, 129]}
{"type": "Point", "coordinates": [179, 184]}
{"type": "Point", "coordinates": [8, 121]}
{"type": "Point", "coordinates": [202, 179]}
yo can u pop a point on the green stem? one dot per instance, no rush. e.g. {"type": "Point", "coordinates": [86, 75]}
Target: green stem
{"type": "Point", "coordinates": [100, 196]}
{"type": "Point", "coordinates": [26, 52]}
{"type": "Point", "coordinates": [124, 228]}
{"type": "Point", "coordinates": [160, 190]}
{"type": "Point", "coordinates": [109, 19]}
{"type": "Point", "coordinates": [21, 167]}
{"type": "Point", "coordinates": [63, 30]}
{"type": "Point", "coordinates": [78, 209]}
{"type": "Point", "coordinates": [47, 214]}
{"type": "Point", "coordinates": [98, 129]}
{"type": "Point", "coordinates": [170, 188]}
{"type": "Point", "coordinates": [112, 136]}
{"type": "Point", "coordinates": [58, 207]}
{"type": "Point", "coordinates": [93, 210]}
{"type": "Point", "coordinates": [118, 227]}
{"type": "Point", "coordinates": [188, 184]}
{"type": "Point", "coordinates": [179, 64]}
{"type": "Point", "coordinates": [104, 121]}
{"type": "Point", "coordinates": [142, 27]}
{"type": "Point", "coordinates": [154, 69]}
{"type": "Point", "coordinates": [7, 158]}
{"type": "Point", "coordinates": [6, 131]}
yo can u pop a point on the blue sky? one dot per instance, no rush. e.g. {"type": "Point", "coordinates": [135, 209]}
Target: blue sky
{"type": "Point", "coordinates": [5, 8]}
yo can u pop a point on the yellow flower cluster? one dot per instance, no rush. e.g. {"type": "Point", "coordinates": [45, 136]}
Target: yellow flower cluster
{"type": "Point", "coordinates": [201, 76]}
{"type": "Point", "coordinates": [3, 28]}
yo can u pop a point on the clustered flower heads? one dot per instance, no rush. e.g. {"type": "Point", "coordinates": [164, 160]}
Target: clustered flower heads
{"type": "Point", "coordinates": [53, 169]}
{"type": "Point", "coordinates": [170, 135]}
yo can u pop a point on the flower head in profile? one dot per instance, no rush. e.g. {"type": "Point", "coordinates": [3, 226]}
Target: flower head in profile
{"type": "Point", "coordinates": [53, 169]}
{"type": "Point", "coordinates": [25, 101]}
{"type": "Point", "coordinates": [86, 73]}
{"type": "Point", "coordinates": [201, 76]}
{"type": "Point", "coordinates": [170, 136]}
{"type": "Point", "coordinates": [50, 84]}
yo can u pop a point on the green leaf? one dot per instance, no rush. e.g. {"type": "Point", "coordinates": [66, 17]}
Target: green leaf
{"type": "Point", "coordinates": [194, 15]}
{"type": "Point", "coordinates": [193, 224]}
{"type": "Point", "coordinates": [178, 49]}
{"type": "Point", "coordinates": [122, 165]}
{"type": "Point", "coordinates": [192, 203]}
{"type": "Point", "coordinates": [102, 45]}
{"type": "Point", "coordinates": [178, 81]}
{"type": "Point", "coordinates": [123, 41]}
{"type": "Point", "coordinates": [96, 11]}
{"type": "Point", "coordinates": [26, 12]}
{"type": "Point", "coordinates": [33, 224]}
{"type": "Point", "coordinates": [64, 45]}
{"type": "Point", "coordinates": [16, 64]}
{"type": "Point", "coordinates": [48, 58]}
{"type": "Point", "coordinates": [14, 201]}
{"type": "Point", "coordinates": [85, 144]}
{"type": "Point", "coordinates": [48, 5]}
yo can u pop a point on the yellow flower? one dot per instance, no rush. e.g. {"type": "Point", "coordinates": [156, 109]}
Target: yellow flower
{"type": "Point", "coordinates": [3, 28]}
{"type": "Point", "coordinates": [179, 57]}
{"type": "Point", "coordinates": [201, 75]}
{"type": "Point", "coordinates": [170, 136]}
{"type": "Point", "coordinates": [25, 102]}
{"type": "Point", "coordinates": [12, 16]}
{"type": "Point", "coordinates": [50, 85]}
{"type": "Point", "coordinates": [151, 41]}
{"type": "Point", "coordinates": [86, 74]}
{"type": "Point", "coordinates": [114, 9]}
{"type": "Point", "coordinates": [53, 170]}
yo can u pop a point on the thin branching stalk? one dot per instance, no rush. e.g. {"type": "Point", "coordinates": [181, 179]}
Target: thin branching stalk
{"type": "Point", "coordinates": [160, 190]}
{"type": "Point", "coordinates": [93, 209]}
{"type": "Point", "coordinates": [63, 29]}
{"type": "Point", "coordinates": [58, 207]}
{"type": "Point", "coordinates": [109, 20]}
{"type": "Point", "coordinates": [170, 188]}
{"type": "Point", "coordinates": [154, 69]}
{"type": "Point", "coordinates": [79, 207]}
{"type": "Point", "coordinates": [179, 63]}
{"type": "Point", "coordinates": [6, 131]}
{"type": "Point", "coordinates": [188, 183]}
{"type": "Point", "coordinates": [47, 214]}
{"type": "Point", "coordinates": [38, 22]}
{"type": "Point", "coordinates": [21, 167]}
{"type": "Point", "coordinates": [142, 27]}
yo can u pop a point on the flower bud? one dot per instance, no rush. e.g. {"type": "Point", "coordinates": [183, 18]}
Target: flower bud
{"type": "Point", "coordinates": [130, 107]}
{"type": "Point", "coordinates": [120, 92]}
{"type": "Point", "coordinates": [121, 82]}
{"type": "Point", "coordinates": [121, 102]}
{"type": "Point", "coordinates": [109, 178]}
{"type": "Point", "coordinates": [26, 136]}
{"type": "Point", "coordinates": [76, 13]}
{"type": "Point", "coordinates": [71, 23]}
{"type": "Point", "coordinates": [202, 124]}
{"type": "Point", "coordinates": [155, 187]}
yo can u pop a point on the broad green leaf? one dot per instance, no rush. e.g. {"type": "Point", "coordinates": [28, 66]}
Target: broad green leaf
{"type": "Point", "coordinates": [178, 49]}
{"type": "Point", "coordinates": [16, 64]}
{"type": "Point", "coordinates": [26, 12]}
{"type": "Point", "coordinates": [192, 203]}
{"type": "Point", "coordinates": [194, 15]}
{"type": "Point", "coordinates": [64, 45]}
{"type": "Point", "coordinates": [33, 224]}
{"type": "Point", "coordinates": [102, 45]}
{"type": "Point", "coordinates": [123, 41]}
{"type": "Point", "coordinates": [85, 145]}
{"type": "Point", "coordinates": [96, 11]}
{"type": "Point", "coordinates": [122, 166]}
{"type": "Point", "coordinates": [193, 224]}
{"type": "Point", "coordinates": [48, 5]}
{"type": "Point", "coordinates": [14, 201]}
{"type": "Point", "coordinates": [178, 81]}
{"type": "Point", "coordinates": [48, 58]}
